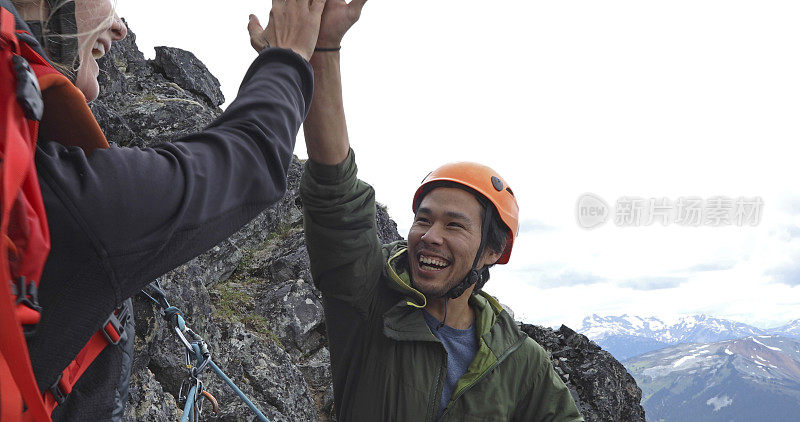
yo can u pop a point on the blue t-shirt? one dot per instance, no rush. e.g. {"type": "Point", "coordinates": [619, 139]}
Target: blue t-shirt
{"type": "Point", "coordinates": [461, 347]}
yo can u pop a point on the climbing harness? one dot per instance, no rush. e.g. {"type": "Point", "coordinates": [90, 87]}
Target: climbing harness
{"type": "Point", "coordinates": [198, 359]}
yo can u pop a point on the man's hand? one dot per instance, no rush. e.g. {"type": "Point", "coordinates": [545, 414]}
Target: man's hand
{"type": "Point", "coordinates": [293, 24]}
{"type": "Point", "coordinates": [325, 128]}
{"type": "Point", "coordinates": [337, 18]}
{"type": "Point", "coordinates": [261, 38]}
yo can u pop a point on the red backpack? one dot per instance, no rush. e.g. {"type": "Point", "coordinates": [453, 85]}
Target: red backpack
{"type": "Point", "coordinates": [24, 236]}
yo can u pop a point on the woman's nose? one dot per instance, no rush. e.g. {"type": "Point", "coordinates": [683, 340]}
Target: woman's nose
{"type": "Point", "coordinates": [118, 29]}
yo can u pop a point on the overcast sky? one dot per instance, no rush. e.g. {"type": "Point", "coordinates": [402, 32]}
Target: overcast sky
{"type": "Point", "coordinates": [615, 98]}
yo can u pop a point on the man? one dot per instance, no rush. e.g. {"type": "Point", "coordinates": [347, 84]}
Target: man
{"type": "Point", "coordinates": [411, 335]}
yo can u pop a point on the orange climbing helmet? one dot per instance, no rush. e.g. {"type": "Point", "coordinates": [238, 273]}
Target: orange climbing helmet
{"type": "Point", "coordinates": [488, 183]}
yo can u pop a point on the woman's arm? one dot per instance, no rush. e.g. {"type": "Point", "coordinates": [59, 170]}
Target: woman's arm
{"type": "Point", "coordinates": [145, 211]}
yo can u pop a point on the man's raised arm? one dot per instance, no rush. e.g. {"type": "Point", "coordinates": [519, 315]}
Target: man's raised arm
{"type": "Point", "coordinates": [338, 209]}
{"type": "Point", "coordinates": [325, 128]}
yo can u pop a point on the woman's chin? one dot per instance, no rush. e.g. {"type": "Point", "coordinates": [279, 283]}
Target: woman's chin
{"type": "Point", "coordinates": [87, 78]}
{"type": "Point", "coordinates": [89, 88]}
{"type": "Point", "coordinates": [92, 93]}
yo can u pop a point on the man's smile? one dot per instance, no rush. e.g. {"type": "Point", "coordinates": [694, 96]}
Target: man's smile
{"type": "Point", "coordinates": [432, 263]}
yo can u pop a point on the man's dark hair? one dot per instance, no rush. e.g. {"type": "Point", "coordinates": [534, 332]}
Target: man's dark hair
{"type": "Point", "coordinates": [497, 235]}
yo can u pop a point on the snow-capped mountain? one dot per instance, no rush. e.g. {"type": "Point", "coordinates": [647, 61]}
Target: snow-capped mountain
{"type": "Point", "coordinates": [626, 336]}
{"type": "Point", "coordinates": [791, 329]}
{"type": "Point", "coordinates": [756, 378]}
{"type": "Point", "coordinates": [597, 327]}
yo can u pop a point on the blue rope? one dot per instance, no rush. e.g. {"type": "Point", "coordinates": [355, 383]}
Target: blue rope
{"type": "Point", "coordinates": [197, 354]}
{"type": "Point", "coordinates": [174, 315]}
{"type": "Point", "coordinates": [189, 406]}
{"type": "Point", "coordinates": [233, 386]}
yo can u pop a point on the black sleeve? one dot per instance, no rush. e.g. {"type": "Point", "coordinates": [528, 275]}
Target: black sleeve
{"type": "Point", "coordinates": [145, 211]}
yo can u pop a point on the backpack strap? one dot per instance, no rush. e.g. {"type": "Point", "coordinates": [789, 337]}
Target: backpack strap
{"type": "Point", "coordinates": [111, 333]}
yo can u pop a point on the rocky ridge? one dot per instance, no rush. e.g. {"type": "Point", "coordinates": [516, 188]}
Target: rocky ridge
{"type": "Point", "coordinates": [251, 296]}
{"type": "Point", "coordinates": [600, 385]}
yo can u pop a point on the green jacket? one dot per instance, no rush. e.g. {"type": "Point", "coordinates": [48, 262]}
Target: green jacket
{"type": "Point", "coordinates": [386, 363]}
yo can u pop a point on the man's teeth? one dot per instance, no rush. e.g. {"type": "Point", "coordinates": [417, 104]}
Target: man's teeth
{"type": "Point", "coordinates": [432, 261]}
{"type": "Point", "coordinates": [98, 50]}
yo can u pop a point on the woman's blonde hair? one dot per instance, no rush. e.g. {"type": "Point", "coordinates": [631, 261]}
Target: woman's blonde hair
{"type": "Point", "coordinates": [59, 36]}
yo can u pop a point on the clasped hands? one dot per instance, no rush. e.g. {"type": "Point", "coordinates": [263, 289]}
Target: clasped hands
{"type": "Point", "coordinates": [303, 25]}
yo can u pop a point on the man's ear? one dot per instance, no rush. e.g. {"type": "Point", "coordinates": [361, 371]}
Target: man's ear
{"type": "Point", "coordinates": [490, 257]}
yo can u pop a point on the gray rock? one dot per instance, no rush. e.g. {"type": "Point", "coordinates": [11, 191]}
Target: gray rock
{"type": "Point", "coordinates": [183, 68]}
{"type": "Point", "coordinates": [152, 403]}
{"type": "Point", "coordinates": [294, 312]}
{"type": "Point", "coordinates": [600, 385]}
{"type": "Point", "coordinates": [508, 309]}
{"type": "Point", "coordinates": [317, 368]}
{"type": "Point", "coordinates": [387, 228]}
{"type": "Point", "coordinates": [139, 106]}
{"type": "Point", "coordinates": [265, 373]}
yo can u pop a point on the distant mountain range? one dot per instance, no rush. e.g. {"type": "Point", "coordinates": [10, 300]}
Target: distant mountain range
{"type": "Point", "coordinates": [751, 379]}
{"type": "Point", "coordinates": [791, 329]}
{"type": "Point", "coordinates": [628, 336]}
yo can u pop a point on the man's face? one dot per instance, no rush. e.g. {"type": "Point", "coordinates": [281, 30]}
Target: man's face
{"type": "Point", "coordinates": [444, 239]}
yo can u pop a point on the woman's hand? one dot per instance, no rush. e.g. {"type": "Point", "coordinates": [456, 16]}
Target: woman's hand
{"type": "Point", "coordinates": [293, 24]}
{"type": "Point", "coordinates": [337, 18]}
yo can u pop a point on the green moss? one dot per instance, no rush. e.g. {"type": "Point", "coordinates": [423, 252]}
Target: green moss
{"type": "Point", "coordinates": [242, 274]}
{"type": "Point", "coordinates": [230, 301]}
{"type": "Point", "coordinates": [259, 324]}
{"type": "Point", "coordinates": [234, 304]}
{"type": "Point", "coordinates": [246, 261]}
{"type": "Point", "coordinates": [280, 233]}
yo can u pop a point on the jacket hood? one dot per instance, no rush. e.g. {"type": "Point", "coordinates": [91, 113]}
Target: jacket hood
{"type": "Point", "coordinates": [396, 270]}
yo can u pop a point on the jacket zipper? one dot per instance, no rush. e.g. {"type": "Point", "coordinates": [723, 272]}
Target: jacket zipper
{"type": "Point", "coordinates": [433, 408]}
{"type": "Point", "coordinates": [485, 373]}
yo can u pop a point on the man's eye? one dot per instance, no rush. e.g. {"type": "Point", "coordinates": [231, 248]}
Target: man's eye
{"type": "Point", "coordinates": [457, 225]}
{"type": "Point", "coordinates": [421, 220]}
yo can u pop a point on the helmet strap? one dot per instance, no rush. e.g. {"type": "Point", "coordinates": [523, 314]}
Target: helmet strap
{"type": "Point", "coordinates": [474, 275]}
{"type": "Point", "coordinates": [441, 324]}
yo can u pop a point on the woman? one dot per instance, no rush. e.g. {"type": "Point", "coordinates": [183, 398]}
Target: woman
{"type": "Point", "coordinates": [120, 217]}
